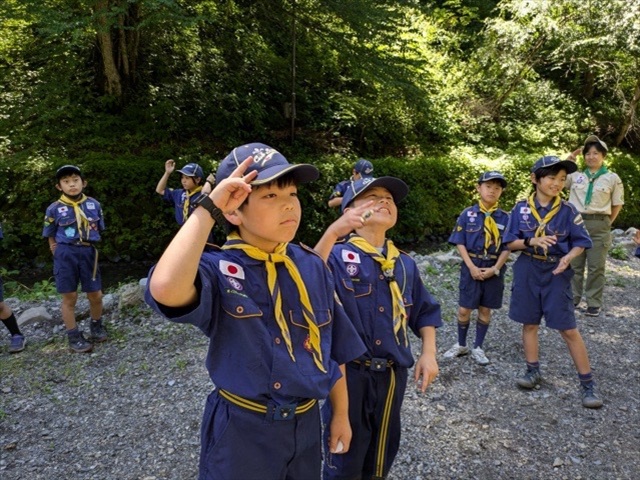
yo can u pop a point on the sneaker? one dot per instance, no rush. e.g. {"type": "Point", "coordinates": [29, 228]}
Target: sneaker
{"type": "Point", "coordinates": [17, 343]}
{"type": "Point", "coordinates": [592, 311]}
{"type": "Point", "coordinates": [98, 332]}
{"type": "Point", "coordinates": [530, 379]}
{"type": "Point", "coordinates": [456, 351]}
{"type": "Point", "coordinates": [589, 397]}
{"type": "Point", "coordinates": [478, 355]}
{"type": "Point", "coordinates": [79, 344]}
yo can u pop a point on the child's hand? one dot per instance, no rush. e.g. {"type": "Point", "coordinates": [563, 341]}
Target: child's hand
{"type": "Point", "coordinates": [351, 219]}
{"type": "Point", "coordinates": [229, 194]}
{"type": "Point", "coordinates": [563, 264]}
{"type": "Point", "coordinates": [544, 242]}
{"type": "Point", "coordinates": [574, 155]}
{"type": "Point", "coordinates": [636, 237]}
{"type": "Point", "coordinates": [427, 368]}
{"type": "Point", "coordinates": [339, 434]}
{"type": "Point", "coordinates": [476, 273]}
{"type": "Point", "coordinates": [169, 166]}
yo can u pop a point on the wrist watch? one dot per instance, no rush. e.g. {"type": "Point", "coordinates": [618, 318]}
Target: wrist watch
{"type": "Point", "coordinates": [205, 202]}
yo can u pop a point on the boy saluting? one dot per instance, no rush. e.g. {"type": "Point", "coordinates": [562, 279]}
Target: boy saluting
{"type": "Point", "coordinates": [278, 338]}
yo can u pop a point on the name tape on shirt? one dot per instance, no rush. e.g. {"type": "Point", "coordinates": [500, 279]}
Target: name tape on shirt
{"type": "Point", "coordinates": [350, 257]}
{"type": "Point", "coordinates": [231, 269]}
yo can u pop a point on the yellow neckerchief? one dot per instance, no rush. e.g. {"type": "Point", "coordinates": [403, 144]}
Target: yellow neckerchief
{"type": "Point", "coordinates": [543, 222]}
{"type": "Point", "coordinates": [491, 232]}
{"type": "Point", "coordinates": [185, 207]}
{"type": "Point", "coordinates": [387, 265]}
{"type": "Point", "coordinates": [81, 218]}
{"type": "Point", "coordinates": [270, 259]}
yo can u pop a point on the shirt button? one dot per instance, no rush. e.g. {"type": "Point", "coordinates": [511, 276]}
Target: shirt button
{"type": "Point", "coordinates": [239, 309]}
{"type": "Point", "coordinates": [277, 340]}
{"type": "Point", "coordinates": [381, 277]}
{"type": "Point", "coordinates": [378, 342]}
{"type": "Point", "coordinates": [277, 385]}
{"type": "Point", "coordinates": [381, 309]}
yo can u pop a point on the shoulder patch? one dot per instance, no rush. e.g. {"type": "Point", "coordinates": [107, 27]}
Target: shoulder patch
{"type": "Point", "coordinates": [349, 256]}
{"type": "Point", "coordinates": [578, 219]}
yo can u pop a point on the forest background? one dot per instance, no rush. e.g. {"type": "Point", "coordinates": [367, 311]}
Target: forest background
{"type": "Point", "coordinates": [433, 92]}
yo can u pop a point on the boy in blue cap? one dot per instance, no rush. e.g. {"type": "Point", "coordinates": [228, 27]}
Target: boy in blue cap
{"type": "Point", "coordinates": [478, 237]}
{"type": "Point", "coordinates": [550, 233]}
{"type": "Point", "coordinates": [362, 169]}
{"type": "Point", "coordinates": [384, 297]}
{"type": "Point", "coordinates": [278, 339]}
{"type": "Point", "coordinates": [72, 225]}
{"type": "Point", "coordinates": [18, 340]}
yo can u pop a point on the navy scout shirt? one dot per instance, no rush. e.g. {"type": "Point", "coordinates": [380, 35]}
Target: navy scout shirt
{"type": "Point", "coordinates": [567, 225]}
{"type": "Point", "coordinates": [177, 197]}
{"type": "Point", "coordinates": [247, 355]}
{"type": "Point", "coordinates": [366, 297]}
{"type": "Point", "coordinates": [60, 222]}
{"type": "Point", "coordinates": [469, 230]}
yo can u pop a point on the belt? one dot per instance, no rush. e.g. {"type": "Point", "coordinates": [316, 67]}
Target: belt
{"type": "Point", "coordinates": [544, 258]}
{"type": "Point", "coordinates": [594, 216]}
{"type": "Point", "coordinates": [374, 364]}
{"type": "Point", "coordinates": [277, 412]}
{"type": "Point", "coordinates": [484, 256]}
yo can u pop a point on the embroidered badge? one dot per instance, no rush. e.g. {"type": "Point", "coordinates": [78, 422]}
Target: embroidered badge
{"type": "Point", "coordinates": [69, 232]}
{"type": "Point", "coordinates": [307, 344]}
{"type": "Point", "coordinates": [351, 257]}
{"type": "Point", "coordinates": [472, 220]}
{"type": "Point", "coordinates": [525, 210]}
{"type": "Point", "coordinates": [500, 227]}
{"type": "Point", "coordinates": [525, 217]}
{"type": "Point", "coordinates": [352, 269]}
{"type": "Point", "coordinates": [91, 205]}
{"type": "Point", "coordinates": [471, 213]}
{"type": "Point", "coordinates": [578, 220]}
{"type": "Point", "coordinates": [63, 209]}
{"type": "Point", "coordinates": [231, 269]}
{"type": "Point", "coordinates": [235, 283]}
{"type": "Point", "coordinates": [458, 228]}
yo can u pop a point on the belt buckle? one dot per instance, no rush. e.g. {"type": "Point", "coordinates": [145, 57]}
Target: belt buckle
{"type": "Point", "coordinates": [486, 256]}
{"type": "Point", "coordinates": [378, 364]}
{"type": "Point", "coordinates": [284, 412]}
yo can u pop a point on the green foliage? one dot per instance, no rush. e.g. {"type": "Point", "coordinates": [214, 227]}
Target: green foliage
{"type": "Point", "coordinates": [39, 291]}
{"type": "Point", "coordinates": [619, 253]}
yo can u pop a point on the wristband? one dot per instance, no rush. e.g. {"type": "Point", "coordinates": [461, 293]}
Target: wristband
{"type": "Point", "coordinates": [205, 202]}
{"type": "Point", "coordinates": [527, 242]}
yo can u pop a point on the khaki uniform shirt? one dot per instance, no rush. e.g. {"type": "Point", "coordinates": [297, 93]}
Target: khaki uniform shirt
{"type": "Point", "coordinates": [607, 192]}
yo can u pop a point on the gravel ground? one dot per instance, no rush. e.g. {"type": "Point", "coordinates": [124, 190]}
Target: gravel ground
{"type": "Point", "coordinates": [132, 408]}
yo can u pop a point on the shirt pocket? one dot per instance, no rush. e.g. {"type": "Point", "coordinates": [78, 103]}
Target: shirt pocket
{"type": "Point", "coordinates": [239, 307]}
{"type": "Point", "coordinates": [300, 338]}
{"type": "Point", "coordinates": [601, 196]}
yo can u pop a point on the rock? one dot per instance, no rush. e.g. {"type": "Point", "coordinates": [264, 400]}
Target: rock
{"type": "Point", "coordinates": [34, 315]}
{"type": "Point", "coordinates": [558, 462]}
{"type": "Point", "coordinates": [108, 302]}
{"type": "Point", "coordinates": [130, 296]}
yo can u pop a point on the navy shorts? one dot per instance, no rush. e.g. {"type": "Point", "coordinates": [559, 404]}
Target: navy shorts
{"type": "Point", "coordinates": [536, 292]}
{"type": "Point", "coordinates": [474, 293]}
{"type": "Point", "coordinates": [237, 443]}
{"type": "Point", "coordinates": [73, 265]}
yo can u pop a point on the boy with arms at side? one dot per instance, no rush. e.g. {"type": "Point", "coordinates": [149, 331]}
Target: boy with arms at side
{"type": "Point", "coordinates": [278, 338]}
{"type": "Point", "coordinates": [72, 225]}
{"type": "Point", "coordinates": [384, 297]}
{"type": "Point", "coordinates": [551, 233]}
{"type": "Point", "coordinates": [18, 341]}
{"type": "Point", "coordinates": [478, 237]}
{"type": "Point", "coordinates": [362, 169]}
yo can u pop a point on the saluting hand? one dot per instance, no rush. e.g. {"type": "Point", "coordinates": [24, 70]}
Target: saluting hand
{"type": "Point", "coordinates": [169, 166]}
{"type": "Point", "coordinates": [229, 194]}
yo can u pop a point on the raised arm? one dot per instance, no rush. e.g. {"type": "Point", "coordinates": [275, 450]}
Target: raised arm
{"type": "Point", "coordinates": [169, 167]}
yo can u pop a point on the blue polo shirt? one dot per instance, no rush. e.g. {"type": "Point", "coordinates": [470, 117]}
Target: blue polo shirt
{"type": "Point", "coordinates": [567, 225]}
{"type": "Point", "coordinates": [469, 230]}
{"type": "Point", "coordinates": [60, 222]}
{"type": "Point", "coordinates": [247, 355]}
{"type": "Point", "coordinates": [366, 297]}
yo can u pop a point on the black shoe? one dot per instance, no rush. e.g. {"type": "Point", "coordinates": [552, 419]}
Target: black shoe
{"type": "Point", "coordinates": [592, 312]}
{"type": "Point", "coordinates": [589, 397]}
{"type": "Point", "coordinates": [79, 344]}
{"type": "Point", "coordinates": [530, 379]}
{"type": "Point", "coordinates": [98, 332]}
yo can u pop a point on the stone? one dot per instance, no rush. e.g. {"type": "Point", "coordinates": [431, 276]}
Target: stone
{"type": "Point", "coordinates": [34, 315]}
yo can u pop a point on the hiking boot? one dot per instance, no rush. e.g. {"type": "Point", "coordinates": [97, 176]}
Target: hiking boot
{"type": "Point", "coordinates": [17, 343]}
{"type": "Point", "coordinates": [589, 397]}
{"type": "Point", "coordinates": [592, 312]}
{"type": "Point", "coordinates": [79, 344]}
{"type": "Point", "coordinates": [478, 355]}
{"type": "Point", "coordinates": [456, 351]}
{"type": "Point", "coordinates": [530, 379]}
{"type": "Point", "coordinates": [98, 332]}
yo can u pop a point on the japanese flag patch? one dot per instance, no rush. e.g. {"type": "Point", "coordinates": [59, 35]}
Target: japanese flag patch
{"type": "Point", "coordinates": [231, 269]}
{"type": "Point", "coordinates": [350, 257]}
{"type": "Point", "coordinates": [525, 210]}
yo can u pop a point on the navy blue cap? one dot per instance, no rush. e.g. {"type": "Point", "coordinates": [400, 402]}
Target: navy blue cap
{"type": "Point", "coordinates": [594, 139]}
{"type": "Point", "coordinates": [192, 170]}
{"type": "Point", "coordinates": [397, 187]}
{"type": "Point", "coordinates": [65, 170]}
{"type": "Point", "coordinates": [268, 162]}
{"type": "Point", "coordinates": [551, 161]}
{"type": "Point", "coordinates": [493, 175]}
{"type": "Point", "coordinates": [364, 167]}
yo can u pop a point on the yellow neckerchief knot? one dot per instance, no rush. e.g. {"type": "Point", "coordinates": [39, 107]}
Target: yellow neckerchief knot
{"type": "Point", "coordinates": [187, 202]}
{"type": "Point", "coordinates": [491, 232]}
{"type": "Point", "coordinates": [270, 259]}
{"type": "Point", "coordinates": [81, 218]}
{"type": "Point", "coordinates": [543, 222]}
{"type": "Point", "coordinates": [387, 264]}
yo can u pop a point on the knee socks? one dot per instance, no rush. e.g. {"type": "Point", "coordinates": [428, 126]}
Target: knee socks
{"type": "Point", "coordinates": [12, 325]}
{"type": "Point", "coordinates": [463, 328]}
{"type": "Point", "coordinates": [481, 332]}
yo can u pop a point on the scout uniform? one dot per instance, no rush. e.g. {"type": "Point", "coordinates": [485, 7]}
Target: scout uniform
{"type": "Point", "coordinates": [184, 202]}
{"type": "Point", "coordinates": [363, 167]}
{"type": "Point", "coordinates": [76, 226]}
{"type": "Point", "coordinates": [536, 291]}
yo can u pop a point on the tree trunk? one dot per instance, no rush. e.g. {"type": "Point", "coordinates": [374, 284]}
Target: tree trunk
{"type": "Point", "coordinates": [113, 81]}
{"type": "Point", "coordinates": [631, 115]}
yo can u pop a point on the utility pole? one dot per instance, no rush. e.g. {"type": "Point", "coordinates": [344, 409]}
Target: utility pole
{"type": "Point", "coordinates": [293, 70]}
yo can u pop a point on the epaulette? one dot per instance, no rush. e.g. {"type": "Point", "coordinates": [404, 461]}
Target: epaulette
{"type": "Point", "coordinates": [308, 249]}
